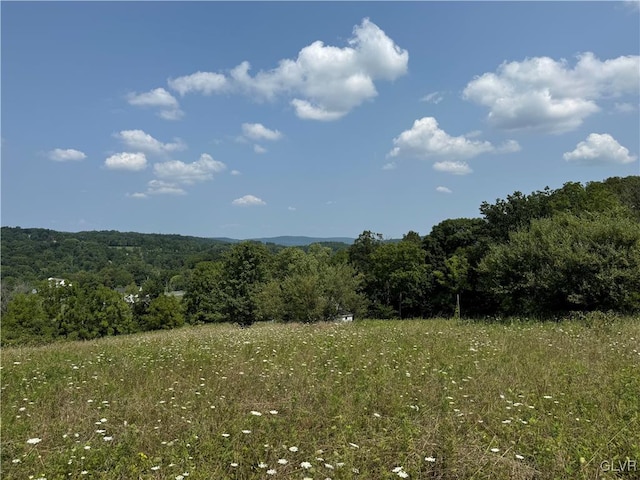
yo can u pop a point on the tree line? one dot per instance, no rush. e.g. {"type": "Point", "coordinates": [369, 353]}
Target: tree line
{"type": "Point", "coordinates": [543, 255]}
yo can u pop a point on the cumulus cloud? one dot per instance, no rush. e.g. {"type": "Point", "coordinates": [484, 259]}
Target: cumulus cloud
{"type": "Point", "coordinates": [455, 168]}
{"type": "Point", "coordinates": [248, 201]}
{"type": "Point", "coordinates": [542, 94]}
{"type": "Point", "coordinates": [66, 155]}
{"type": "Point", "coordinates": [235, 172]}
{"type": "Point", "coordinates": [126, 161]}
{"type": "Point", "coordinates": [426, 139]}
{"type": "Point", "coordinates": [140, 140]}
{"type": "Point", "coordinates": [443, 190]}
{"type": "Point", "coordinates": [188, 173]}
{"type": "Point", "coordinates": [199, 82]}
{"type": "Point", "coordinates": [323, 82]}
{"type": "Point", "coordinates": [257, 131]}
{"type": "Point", "coordinates": [291, 209]}
{"type": "Point", "coordinates": [159, 97]}
{"type": "Point", "coordinates": [599, 149]}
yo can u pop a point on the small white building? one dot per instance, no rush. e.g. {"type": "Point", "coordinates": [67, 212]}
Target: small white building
{"type": "Point", "coordinates": [344, 317]}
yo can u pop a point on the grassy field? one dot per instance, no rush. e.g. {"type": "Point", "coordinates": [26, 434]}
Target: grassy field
{"type": "Point", "coordinates": [369, 400]}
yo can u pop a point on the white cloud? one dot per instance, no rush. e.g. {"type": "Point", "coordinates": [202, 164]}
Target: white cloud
{"type": "Point", "coordinates": [443, 190]}
{"type": "Point", "coordinates": [455, 168]}
{"type": "Point", "coordinates": [160, 187]}
{"type": "Point", "coordinates": [126, 161]}
{"type": "Point", "coordinates": [248, 201]}
{"type": "Point", "coordinates": [137, 195]}
{"type": "Point", "coordinates": [291, 209]}
{"type": "Point", "coordinates": [426, 139]}
{"type": "Point", "coordinates": [307, 111]}
{"type": "Point", "coordinates": [625, 107]}
{"type": "Point", "coordinates": [390, 166]}
{"type": "Point", "coordinates": [599, 149]}
{"type": "Point", "coordinates": [140, 140]}
{"type": "Point", "coordinates": [188, 173]}
{"type": "Point", "coordinates": [160, 98]}
{"type": "Point", "coordinates": [543, 94]}
{"type": "Point", "coordinates": [323, 82]}
{"type": "Point", "coordinates": [257, 131]}
{"type": "Point", "coordinates": [199, 82]}
{"type": "Point", "coordinates": [235, 172]}
{"type": "Point", "coordinates": [259, 149]}
{"type": "Point", "coordinates": [66, 155]}
{"type": "Point", "coordinates": [433, 97]}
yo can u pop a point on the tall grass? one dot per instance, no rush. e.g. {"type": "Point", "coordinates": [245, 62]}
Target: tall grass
{"type": "Point", "coordinates": [368, 400]}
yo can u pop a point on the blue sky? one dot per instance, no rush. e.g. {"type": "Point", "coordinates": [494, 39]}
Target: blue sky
{"type": "Point", "coordinates": [322, 119]}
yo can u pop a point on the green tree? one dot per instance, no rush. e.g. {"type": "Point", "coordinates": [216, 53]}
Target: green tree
{"type": "Point", "coordinates": [245, 269]}
{"type": "Point", "coordinates": [110, 312]}
{"type": "Point", "coordinates": [203, 299]}
{"type": "Point", "coordinates": [26, 321]}
{"type": "Point", "coordinates": [567, 262]}
{"type": "Point", "coordinates": [309, 287]}
{"type": "Point", "coordinates": [164, 312]}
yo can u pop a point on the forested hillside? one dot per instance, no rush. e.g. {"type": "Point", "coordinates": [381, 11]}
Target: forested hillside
{"type": "Point", "coordinates": [544, 254]}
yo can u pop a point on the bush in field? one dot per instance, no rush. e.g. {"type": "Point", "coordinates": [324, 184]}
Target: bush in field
{"type": "Point", "coordinates": [567, 263]}
{"type": "Point", "coordinates": [26, 321]}
{"type": "Point", "coordinates": [309, 288]}
{"type": "Point", "coordinates": [164, 312]}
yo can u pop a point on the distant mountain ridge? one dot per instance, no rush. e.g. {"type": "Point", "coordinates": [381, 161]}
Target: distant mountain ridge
{"type": "Point", "coordinates": [291, 240]}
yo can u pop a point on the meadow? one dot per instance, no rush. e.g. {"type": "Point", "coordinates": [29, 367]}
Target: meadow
{"type": "Point", "coordinates": [371, 400]}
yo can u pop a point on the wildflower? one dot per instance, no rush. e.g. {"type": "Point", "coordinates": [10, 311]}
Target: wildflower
{"type": "Point", "coordinates": [16, 460]}
{"type": "Point", "coordinates": [225, 435]}
{"type": "Point", "coordinates": [246, 431]}
{"type": "Point", "coordinates": [155, 467]}
{"type": "Point", "coordinates": [34, 441]}
{"type": "Point", "coordinates": [283, 461]}
{"type": "Point", "coordinates": [377, 415]}
{"type": "Point", "coordinates": [262, 465]}
{"type": "Point", "coordinates": [271, 471]}
{"type": "Point", "coordinates": [329, 466]}
{"type": "Point", "coordinates": [429, 459]}
{"type": "Point", "coordinates": [84, 472]}
{"type": "Point", "coordinates": [233, 464]}
{"type": "Point", "coordinates": [519, 457]}
{"type": "Point", "coordinates": [103, 420]}
{"type": "Point", "coordinates": [305, 465]}
{"type": "Point", "coordinates": [293, 449]}
{"type": "Point", "coordinates": [495, 450]}
{"type": "Point", "coordinates": [107, 439]}
{"type": "Point", "coordinates": [257, 414]}
{"type": "Point", "coordinates": [273, 412]}
{"type": "Point", "coordinates": [87, 447]}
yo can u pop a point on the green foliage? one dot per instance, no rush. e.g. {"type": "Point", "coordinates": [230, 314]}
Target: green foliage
{"type": "Point", "coordinates": [309, 287]}
{"type": "Point", "coordinates": [567, 263]}
{"type": "Point", "coordinates": [26, 321]}
{"type": "Point", "coordinates": [245, 270]}
{"type": "Point", "coordinates": [164, 312]}
{"type": "Point", "coordinates": [203, 298]}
